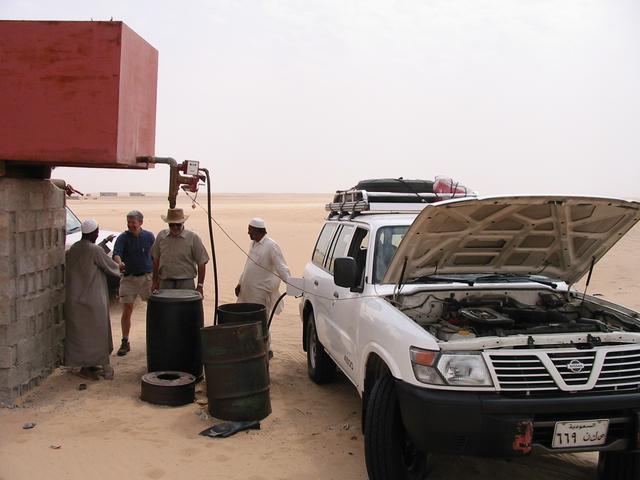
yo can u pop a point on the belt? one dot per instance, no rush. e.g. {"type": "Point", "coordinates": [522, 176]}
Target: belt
{"type": "Point", "coordinates": [136, 274]}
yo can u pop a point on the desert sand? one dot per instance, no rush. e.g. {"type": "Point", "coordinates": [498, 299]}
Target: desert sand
{"type": "Point", "coordinates": [106, 432]}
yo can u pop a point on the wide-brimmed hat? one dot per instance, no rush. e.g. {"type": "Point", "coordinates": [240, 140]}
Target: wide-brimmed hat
{"type": "Point", "coordinates": [174, 215]}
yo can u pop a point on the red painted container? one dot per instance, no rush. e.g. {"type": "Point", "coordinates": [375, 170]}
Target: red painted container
{"type": "Point", "coordinates": [76, 94]}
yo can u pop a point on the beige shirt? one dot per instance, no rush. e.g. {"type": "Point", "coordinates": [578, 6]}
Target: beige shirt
{"type": "Point", "coordinates": [178, 256]}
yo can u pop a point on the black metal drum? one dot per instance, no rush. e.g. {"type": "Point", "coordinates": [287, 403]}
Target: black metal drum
{"type": "Point", "coordinates": [174, 320]}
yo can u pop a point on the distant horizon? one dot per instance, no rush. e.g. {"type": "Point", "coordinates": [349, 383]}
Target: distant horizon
{"type": "Point", "coordinates": [122, 194]}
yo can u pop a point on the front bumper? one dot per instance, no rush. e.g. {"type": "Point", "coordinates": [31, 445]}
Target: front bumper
{"type": "Point", "coordinates": [491, 424]}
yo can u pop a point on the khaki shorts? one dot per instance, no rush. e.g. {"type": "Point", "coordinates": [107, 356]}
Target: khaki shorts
{"type": "Point", "coordinates": [131, 286]}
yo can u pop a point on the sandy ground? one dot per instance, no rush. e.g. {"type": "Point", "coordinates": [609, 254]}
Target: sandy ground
{"type": "Point", "coordinates": [106, 432]}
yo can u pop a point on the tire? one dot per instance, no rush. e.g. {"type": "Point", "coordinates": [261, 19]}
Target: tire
{"type": "Point", "coordinates": [618, 466]}
{"type": "Point", "coordinates": [320, 367]}
{"type": "Point", "coordinates": [389, 453]}
{"type": "Point", "coordinates": [168, 388]}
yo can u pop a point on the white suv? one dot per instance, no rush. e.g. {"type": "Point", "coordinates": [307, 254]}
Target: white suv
{"type": "Point", "coordinates": [73, 233]}
{"type": "Point", "coordinates": [456, 323]}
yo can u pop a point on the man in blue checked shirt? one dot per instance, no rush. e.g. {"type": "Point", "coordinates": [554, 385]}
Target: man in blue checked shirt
{"type": "Point", "coordinates": [132, 252]}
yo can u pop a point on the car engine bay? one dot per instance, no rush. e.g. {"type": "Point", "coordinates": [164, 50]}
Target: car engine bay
{"type": "Point", "coordinates": [457, 315]}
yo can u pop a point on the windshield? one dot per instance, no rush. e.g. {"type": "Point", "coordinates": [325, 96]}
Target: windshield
{"type": "Point", "coordinates": [387, 241]}
{"type": "Point", "coordinates": [73, 224]}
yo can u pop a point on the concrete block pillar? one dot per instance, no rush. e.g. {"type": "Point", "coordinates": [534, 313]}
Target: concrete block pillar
{"type": "Point", "coordinates": [32, 239]}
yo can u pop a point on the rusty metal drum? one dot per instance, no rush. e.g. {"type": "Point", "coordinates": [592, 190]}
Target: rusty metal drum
{"type": "Point", "coordinates": [236, 371]}
{"type": "Point", "coordinates": [242, 313]}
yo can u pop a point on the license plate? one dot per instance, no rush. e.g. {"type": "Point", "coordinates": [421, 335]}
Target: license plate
{"type": "Point", "coordinates": [580, 434]}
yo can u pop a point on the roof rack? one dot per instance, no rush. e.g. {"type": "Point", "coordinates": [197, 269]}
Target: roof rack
{"type": "Point", "coordinates": [354, 202]}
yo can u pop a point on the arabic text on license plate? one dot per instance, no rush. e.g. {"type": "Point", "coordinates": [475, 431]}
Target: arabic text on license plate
{"type": "Point", "coordinates": [580, 434]}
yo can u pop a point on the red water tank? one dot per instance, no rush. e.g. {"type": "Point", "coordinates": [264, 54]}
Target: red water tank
{"type": "Point", "coordinates": [76, 94]}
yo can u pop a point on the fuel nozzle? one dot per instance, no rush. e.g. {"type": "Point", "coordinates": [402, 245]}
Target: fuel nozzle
{"type": "Point", "coordinates": [188, 182]}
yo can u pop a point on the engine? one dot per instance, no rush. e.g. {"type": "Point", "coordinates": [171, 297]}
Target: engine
{"type": "Point", "coordinates": [451, 318]}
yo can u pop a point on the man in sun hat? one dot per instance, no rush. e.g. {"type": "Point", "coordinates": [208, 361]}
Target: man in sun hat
{"type": "Point", "coordinates": [178, 255]}
{"type": "Point", "coordinates": [263, 270]}
{"type": "Point", "coordinates": [88, 341]}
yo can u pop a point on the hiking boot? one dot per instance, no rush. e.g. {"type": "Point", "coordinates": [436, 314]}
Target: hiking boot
{"type": "Point", "coordinates": [125, 347]}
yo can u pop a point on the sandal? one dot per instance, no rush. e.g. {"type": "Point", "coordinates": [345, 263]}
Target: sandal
{"type": "Point", "coordinates": [89, 373]}
{"type": "Point", "coordinates": [107, 372]}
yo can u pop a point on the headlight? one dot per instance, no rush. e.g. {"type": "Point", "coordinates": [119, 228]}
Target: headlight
{"type": "Point", "coordinates": [457, 369]}
{"type": "Point", "coordinates": [464, 369]}
{"type": "Point", "coordinates": [422, 362]}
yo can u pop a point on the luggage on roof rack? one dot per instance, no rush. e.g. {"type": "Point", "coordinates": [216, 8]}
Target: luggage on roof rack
{"type": "Point", "coordinates": [395, 185]}
{"type": "Point", "coordinates": [393, 195]}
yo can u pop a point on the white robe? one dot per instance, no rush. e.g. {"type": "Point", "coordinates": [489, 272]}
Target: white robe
{"type": "Point", "coordinates": [88, 341]}
{"type": "Point", "coordinates": [261, 285]}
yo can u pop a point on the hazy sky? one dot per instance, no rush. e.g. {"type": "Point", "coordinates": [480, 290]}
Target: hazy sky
{"type": "Point", "coordinates": [313, 95]}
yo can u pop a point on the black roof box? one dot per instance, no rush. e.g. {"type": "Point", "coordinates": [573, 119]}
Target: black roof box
{"type": "Point", "coordinates": [395, 185]}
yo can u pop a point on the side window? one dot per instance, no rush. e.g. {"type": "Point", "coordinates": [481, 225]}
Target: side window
{"type": "Point", "coordinates": [358, 251]}
{"type": "Point", "coordinates": [387, 241]}
{"type": "Point", "coordinates": [341, 246]}
{"type": "Point", "coordinates": [322, 245]}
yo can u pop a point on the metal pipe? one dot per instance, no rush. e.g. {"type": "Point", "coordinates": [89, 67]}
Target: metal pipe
{"type": "Point", "coordinates": [167, 160]}
{"type": "Point", "coordinates": [173, 175]}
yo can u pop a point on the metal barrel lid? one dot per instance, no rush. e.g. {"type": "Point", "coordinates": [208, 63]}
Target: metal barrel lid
{"type": "Point", "coordinates": [167, 295]}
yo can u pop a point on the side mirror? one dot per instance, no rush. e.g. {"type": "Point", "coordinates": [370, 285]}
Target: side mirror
{"type": "Point", "coordinates": [344, 272]}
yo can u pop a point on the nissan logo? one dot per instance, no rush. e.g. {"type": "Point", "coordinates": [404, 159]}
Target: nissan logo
{"type": "Point", "coordinates": [575, 366]}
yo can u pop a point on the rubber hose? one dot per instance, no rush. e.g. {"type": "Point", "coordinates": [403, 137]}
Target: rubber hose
{"type": "Point", "coordinates": [273, 311]}
{"type": "Point", "coordinates": [213, 249]}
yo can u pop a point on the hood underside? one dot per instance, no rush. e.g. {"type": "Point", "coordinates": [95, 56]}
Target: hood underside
{"type": "Point", "coordinates": [554, 236]}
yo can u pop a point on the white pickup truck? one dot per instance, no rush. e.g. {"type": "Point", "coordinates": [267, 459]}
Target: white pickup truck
{"type": "Point", "coordinates": [456, 322]}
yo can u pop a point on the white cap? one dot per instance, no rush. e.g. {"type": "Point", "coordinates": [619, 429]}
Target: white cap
{"type": "Point", "coordinates": [89, 226]}
{"type": "Point", "coordinates": [257, 223]}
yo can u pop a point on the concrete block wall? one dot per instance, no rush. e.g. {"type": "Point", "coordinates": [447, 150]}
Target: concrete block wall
{"type": "Point", "coordinates": [32, 238]}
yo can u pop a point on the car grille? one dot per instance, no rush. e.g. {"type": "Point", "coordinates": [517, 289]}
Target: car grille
{"type": "Point", "coordinates": [563, 362]}
{"type": "Point", "coordinates": [621, 371]}
{"type": "Point", "coordinates": [522, 372]}
{"type": "Point", "coordinates": [566, 370]}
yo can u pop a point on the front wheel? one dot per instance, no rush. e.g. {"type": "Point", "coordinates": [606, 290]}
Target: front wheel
{"type": "Point", "coordinates": [618, 466]}
{"type": "Point", "coordinates": [320, 367]}
{"type": "Point", "coordinates": [389, 452]}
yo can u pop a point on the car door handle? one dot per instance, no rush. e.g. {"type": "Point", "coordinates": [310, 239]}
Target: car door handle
{"type": "Point", "coordinates": [315, 282]}
{"type": "Point", "coordinates": [336, 295]}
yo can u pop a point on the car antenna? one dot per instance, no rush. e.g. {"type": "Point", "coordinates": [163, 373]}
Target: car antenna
{"type": "Point", "coordinates": [584, 293]}
{"type": "Point", "coordinates": [398, 286]}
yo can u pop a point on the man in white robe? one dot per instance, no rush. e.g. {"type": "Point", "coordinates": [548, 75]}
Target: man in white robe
{"type": "Point", "coordinates": [88, 341]}
{"type": "Point", "coordinates": [263, 270]}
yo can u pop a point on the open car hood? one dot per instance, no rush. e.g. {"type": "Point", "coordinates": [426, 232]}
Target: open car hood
{"type": "Point", "coordinates": [548, 235]}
